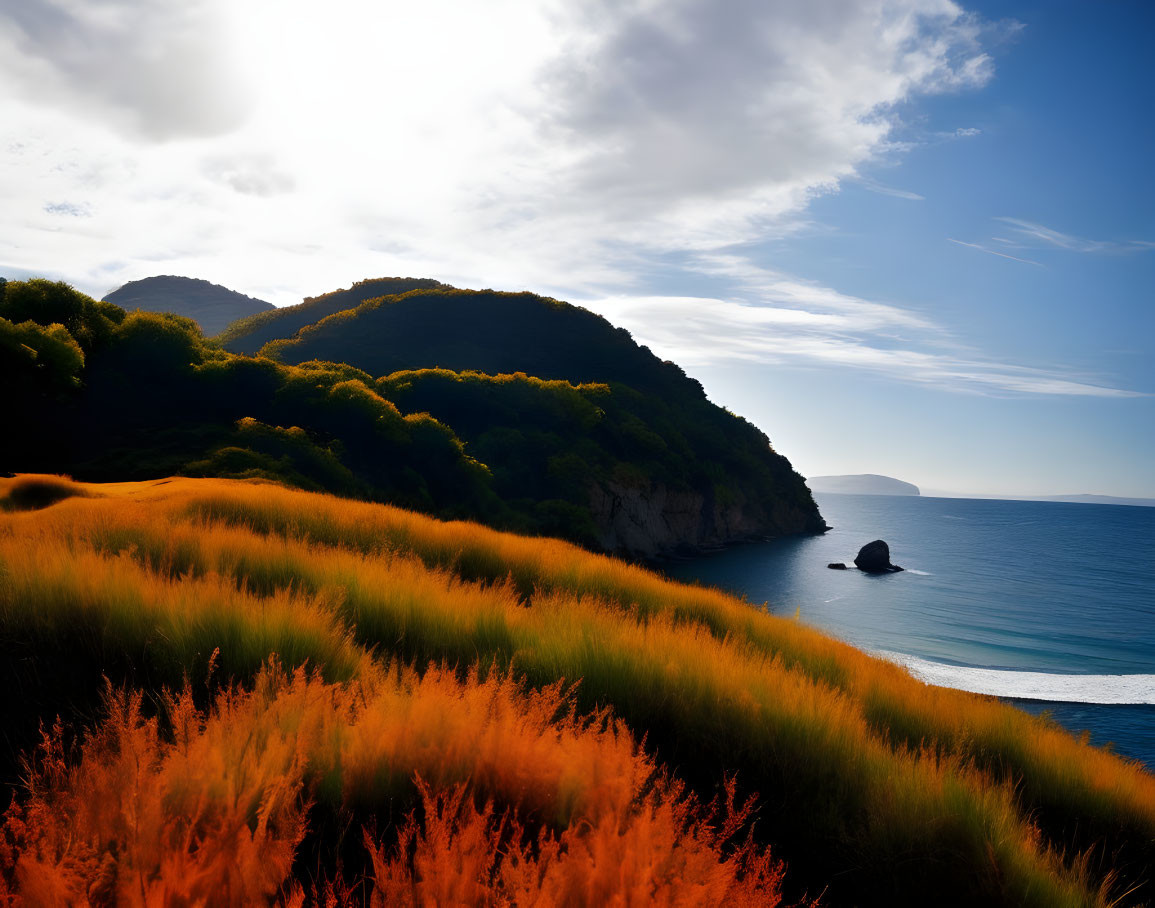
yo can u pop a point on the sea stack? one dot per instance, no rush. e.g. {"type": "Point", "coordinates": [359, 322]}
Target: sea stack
{"type": "Point", "coordinates": [874, 558]}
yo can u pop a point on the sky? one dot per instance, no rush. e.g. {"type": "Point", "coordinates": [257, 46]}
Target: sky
{"type": "Point", "coordinates": [914, 238]}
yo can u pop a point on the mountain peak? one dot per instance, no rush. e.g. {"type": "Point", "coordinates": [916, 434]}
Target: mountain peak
{"type": "Point", "coordinates": [210, 305]}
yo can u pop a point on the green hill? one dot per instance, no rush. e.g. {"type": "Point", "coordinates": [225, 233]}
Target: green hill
{"type": "Point", "coordinates": [643, 473]}
{"type": "Point", "coordinates": [683, 472]}
{"type": "Point", "coordinates": [211, 306]}
{"type": "Point", "coordinates": [248, 335]}
{"type": "Point", "coordinates": [106, 395]}
{"type": "Point", "coordinates": [485, 331]}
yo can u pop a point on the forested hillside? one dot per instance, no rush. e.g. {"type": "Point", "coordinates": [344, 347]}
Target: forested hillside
{"type": "Point", "coordinates": [645, 467]}
{"type": "Point", "coordinates": [248, 335]}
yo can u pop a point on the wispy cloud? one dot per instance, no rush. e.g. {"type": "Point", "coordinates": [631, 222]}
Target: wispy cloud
{"type": "Point", "coordinates": [769, 286]}
{"type": "Point", "coordinates": [1049, 237]}
{"type": "Point", "coordinates": [982, 248]}
{"type": "Point", "coordinates": [779, 319]}
{"type": "Point", "coordinates": [882, 189]}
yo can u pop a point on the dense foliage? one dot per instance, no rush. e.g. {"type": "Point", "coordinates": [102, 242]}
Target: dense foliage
{"type": "Point", "coordinates": [657, 425]}
{"type": "Point", "coordinates": [546, 441]}
{"type": "Point", "coordinates": [485, 331]}
{"type": "Point", "coordinates": [250, 334]}
{"type": "Point", "coordinates": [106, 395]}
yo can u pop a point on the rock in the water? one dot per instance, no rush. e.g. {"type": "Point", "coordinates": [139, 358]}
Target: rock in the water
{"type": "Point", "coordinates": [837, 566]}
{"type": "Point", "coordinates": [874, 558]}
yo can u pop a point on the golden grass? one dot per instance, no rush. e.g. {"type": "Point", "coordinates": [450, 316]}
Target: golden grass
{"type": "Point", "coordinates": [875, 779]}
{"type": "Point", "coordinates": [32, 491]}
{"type": "Point", "coordinates": [212, 813]}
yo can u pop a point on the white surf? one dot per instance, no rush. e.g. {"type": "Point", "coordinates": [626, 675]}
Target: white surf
{"type": "Point", "coordinates": [1027, 685]}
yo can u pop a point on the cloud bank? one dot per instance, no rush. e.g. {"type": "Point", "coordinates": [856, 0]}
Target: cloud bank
{"type": "Point", "coordinates": [509, 144]}
{"type": "Point", "coordinates": [154, 69]}
{"type": "Point", "coordinates": [283, 148]}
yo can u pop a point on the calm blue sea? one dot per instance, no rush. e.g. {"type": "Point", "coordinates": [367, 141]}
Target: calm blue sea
{"type": "Point", "coordinates": [1047, 604]}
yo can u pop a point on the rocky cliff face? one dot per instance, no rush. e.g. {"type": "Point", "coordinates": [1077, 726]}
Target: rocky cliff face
{"type": "Point", "coordinates": [648, 521]}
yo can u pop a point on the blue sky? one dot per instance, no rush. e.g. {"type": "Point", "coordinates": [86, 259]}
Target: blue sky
{"type": "Point", "coordinates": [1065, 139]}
{"type": "Point", "coordinates": [907, 237]}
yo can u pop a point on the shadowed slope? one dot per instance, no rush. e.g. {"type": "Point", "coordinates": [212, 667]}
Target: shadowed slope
{"type": "Point", "coordinates": [211, 306]}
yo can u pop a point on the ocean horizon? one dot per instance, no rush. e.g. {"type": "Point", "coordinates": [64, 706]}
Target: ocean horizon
{"type": "Point", "coordinates": [1049, 605]}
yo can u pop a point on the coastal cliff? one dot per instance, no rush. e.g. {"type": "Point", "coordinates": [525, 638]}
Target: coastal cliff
{"type": "Point", "coordinates": [647, 521]}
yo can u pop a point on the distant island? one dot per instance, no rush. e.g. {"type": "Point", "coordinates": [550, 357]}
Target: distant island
{"type": "Point", "coordinates": [1099, 499]}
{"type": "Point", "coordinates": [211, 306]}
{"type": "Point", "coordinates": [1082, 498]}
{"type": "Point", "coordinates": [861, 484]}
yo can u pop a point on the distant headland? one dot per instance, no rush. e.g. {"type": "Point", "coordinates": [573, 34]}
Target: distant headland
{"type": "Point", "coordinates": [861, 484]}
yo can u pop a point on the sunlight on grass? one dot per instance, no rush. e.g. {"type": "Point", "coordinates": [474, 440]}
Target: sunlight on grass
{"type": "Point", "coordinates": [870, 780]}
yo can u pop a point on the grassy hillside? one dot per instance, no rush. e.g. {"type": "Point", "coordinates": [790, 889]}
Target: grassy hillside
{"type": "Point", "coordinates": [485, 718]}
{"type": "Point", "coordinates": [248, 335]}
{"type": "Point", "coordinates": [211, 306]}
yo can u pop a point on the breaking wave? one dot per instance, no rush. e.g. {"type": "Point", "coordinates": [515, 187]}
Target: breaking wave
{"type": "Point", "coordinates": [1024, 685]}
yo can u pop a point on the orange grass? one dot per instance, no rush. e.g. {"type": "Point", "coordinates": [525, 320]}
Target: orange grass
{"type": "Point", "coordinates": [665, 854]}
{"type": "Point", "coordinates": [1018, 745]}
{"type": "Point", "coordinates": [212, 812]}
{"type": "Point", "coordinates": [32, 491]}
{"type": "Point", "coordinates": [894, 782]}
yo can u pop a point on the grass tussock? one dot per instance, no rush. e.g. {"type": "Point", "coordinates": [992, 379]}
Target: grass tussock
{"type": "Point", "coordinates": [533, 810]}
{"type": "Point", "coordinates": [873, 786]}
{"type": "Point", "coordinates": [33, 491]}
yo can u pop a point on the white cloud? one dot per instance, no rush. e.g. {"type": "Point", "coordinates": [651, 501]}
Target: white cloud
{"type": "Point", "coordinates": [286, 146]}
{"type": "Point", "coordinates": [153, 68]}
{"type": "Point", "coordinates": [767, 285]}
{"type": "Point", "coordinates": [1038, 234]}
{"type": "Point", "coordinates": [68, 209]}
{"type": "Point", "coordinates": [249, 174]}
{"type": "Point", "coordinates": [812, 325]}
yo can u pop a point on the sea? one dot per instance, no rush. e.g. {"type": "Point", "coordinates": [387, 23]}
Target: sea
{"type": "Point", "coordinates": [1048, 605]}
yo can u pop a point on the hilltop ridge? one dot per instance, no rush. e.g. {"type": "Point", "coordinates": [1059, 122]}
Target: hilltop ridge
{"type": "Point", "coordinates": [248, 335]}
{"type": "Point", "coordinates": [211, 306]}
